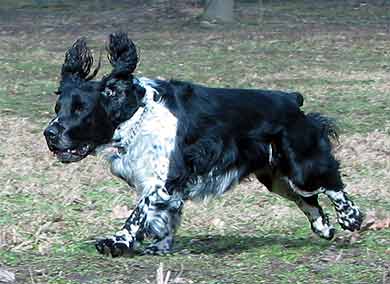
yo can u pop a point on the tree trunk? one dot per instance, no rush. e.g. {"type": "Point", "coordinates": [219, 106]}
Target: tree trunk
{"type": "Point", "coordinates": [221, 10]}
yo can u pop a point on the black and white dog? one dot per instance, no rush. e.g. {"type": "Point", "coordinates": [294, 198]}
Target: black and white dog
{"type": "Point", "coordinates": [173, 141]}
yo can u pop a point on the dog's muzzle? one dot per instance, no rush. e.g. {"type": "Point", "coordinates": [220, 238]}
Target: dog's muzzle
{"type": "Point", "coordinates": [51, 134]}
{"type": "Point", "coordinates": [65, 154]}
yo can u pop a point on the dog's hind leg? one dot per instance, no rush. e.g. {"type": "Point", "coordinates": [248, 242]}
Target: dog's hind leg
{"type": "Point", "coordinates": [349, 215]}
{"type": "Point", "coordinates": [319, 221]}
{"type": "Point", "coordinates": [309, 205]}
{"type": "Point", "coordinates": [157, 215]}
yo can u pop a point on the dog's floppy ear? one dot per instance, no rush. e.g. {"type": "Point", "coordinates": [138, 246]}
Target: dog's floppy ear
{"type": "Point", "coordinates": [78, 62]}
{"type": "Point", "coordinates": [122, 54]}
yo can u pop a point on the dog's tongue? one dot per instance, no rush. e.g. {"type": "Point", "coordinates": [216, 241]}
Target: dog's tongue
{"type": "Point", "coordinates": [107, 151]}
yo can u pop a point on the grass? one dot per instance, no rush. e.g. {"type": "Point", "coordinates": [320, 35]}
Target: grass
{"type": "Point", "coordinates": [335, 54]}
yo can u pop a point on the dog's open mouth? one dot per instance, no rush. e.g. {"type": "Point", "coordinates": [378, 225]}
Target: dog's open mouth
{"type": "Point", "coordinates": [73, 155]}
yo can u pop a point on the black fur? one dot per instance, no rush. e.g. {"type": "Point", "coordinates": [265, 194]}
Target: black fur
{"type": "Point", "coordinates": [225, 128]}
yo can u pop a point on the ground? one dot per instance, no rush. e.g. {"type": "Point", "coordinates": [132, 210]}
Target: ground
{"type": "Point", "coordinates": [337, 55]}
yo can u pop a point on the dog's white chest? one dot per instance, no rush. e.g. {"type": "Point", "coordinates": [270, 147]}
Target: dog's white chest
{"type": "Point", "coordinates": [146, 143]}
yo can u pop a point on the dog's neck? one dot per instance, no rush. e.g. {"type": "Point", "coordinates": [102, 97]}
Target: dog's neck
{"type": "Point", "coordinates": [149, 86]}
{"type": "Point", "coordinates": [136, 118]}
{"type": "Point", "coordinates": [145, 105]}
{"type": "Point", "coordinates": [140, 85]}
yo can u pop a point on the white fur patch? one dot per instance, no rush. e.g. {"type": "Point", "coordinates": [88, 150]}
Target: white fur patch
{"type": "Point", "coordinates": [212, 185]}
{"type": "Point", "coordinates": [337, 196]}
{"type": "Point", "coordinates": [348, 214]}
{"type": "Point", "coordinates": [124, 237]}
{"type": "Point", "coordinates": [321, 227]}
{"type": "Point", "coordinates": [144, 160]}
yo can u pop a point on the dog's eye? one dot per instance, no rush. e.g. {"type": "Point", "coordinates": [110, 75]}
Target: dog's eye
{"type": "Point", "coordinates": [78, 108]}
{"type": "Point", "coordinates": [109, 92]}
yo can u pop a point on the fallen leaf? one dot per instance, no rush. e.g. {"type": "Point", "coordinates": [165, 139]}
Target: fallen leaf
{"type": "Point", "coordinates": [120, 212]}
{"type": "Point", "coordinates": [380, 224]}
{"type": "Point", "coordinates": [374, 222]}
{"type": "Point", "coordinates": [369, 220]}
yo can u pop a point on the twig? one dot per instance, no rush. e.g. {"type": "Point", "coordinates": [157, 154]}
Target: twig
{"type": "Point", "coordinates": [178, 276]}
{"type": "Point", "coordinates": [31, 276]}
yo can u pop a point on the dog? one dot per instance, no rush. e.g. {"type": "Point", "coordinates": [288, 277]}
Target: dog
{"type": "Point", "coordinates": [175, 141]}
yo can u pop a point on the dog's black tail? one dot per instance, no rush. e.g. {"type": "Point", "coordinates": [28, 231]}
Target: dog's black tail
{"type": "Point", "coordinates": [326, 124]}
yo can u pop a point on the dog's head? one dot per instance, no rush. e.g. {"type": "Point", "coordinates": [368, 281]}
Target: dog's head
{"type": "Point", "coordinates": [87, 112]}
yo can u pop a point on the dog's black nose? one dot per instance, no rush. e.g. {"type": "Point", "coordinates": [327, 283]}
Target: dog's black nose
{"type": "Point", "coordinates": [51, 133]}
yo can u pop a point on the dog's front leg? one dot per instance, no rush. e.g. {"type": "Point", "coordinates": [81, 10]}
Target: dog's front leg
{"type": "Point", "coordinates": [156, 215]}
{"type": "Point", "coordinates": [127, 239]}
{"type": "Point", "coordinates": [161, 223]}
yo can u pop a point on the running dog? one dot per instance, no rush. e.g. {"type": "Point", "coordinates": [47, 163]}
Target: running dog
{"type": "Point", "coordinates": [174, 141]}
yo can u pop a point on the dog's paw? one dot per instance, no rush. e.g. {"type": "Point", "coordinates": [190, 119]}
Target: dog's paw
{"type": "Point", "coordinates": [322, 228]}
{"type": "Point", "coordinates": [350, 217]}
{"type": "Point", "coordinates": [119, 244]}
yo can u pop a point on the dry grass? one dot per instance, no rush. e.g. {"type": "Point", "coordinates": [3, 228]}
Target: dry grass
{"type": "Point", "coordinates": [366, 163]}
{"type": "Point", "coordinates": [29, 171]}
{"type": "Point", "coordinates": [24, 154]}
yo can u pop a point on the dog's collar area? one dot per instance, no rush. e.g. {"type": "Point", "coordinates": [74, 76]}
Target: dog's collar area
{"type": "Point", "coordinates": [137, 125]}
{"type": "Point", "coordinates": [117, 141]}
{"type": "Point", "coordinates": [145, 106]}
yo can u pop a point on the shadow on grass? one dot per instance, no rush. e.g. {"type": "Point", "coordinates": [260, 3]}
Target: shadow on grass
{"type": "Point", "coordinates": [235, 244]}
{"type": "Point", "coordinates": [226, 244]}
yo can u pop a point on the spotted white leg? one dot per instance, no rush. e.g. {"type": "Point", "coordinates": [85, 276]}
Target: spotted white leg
{"type": "Point", "coordinates": [309, 205]}
{"type": "Point", "coordinates": [156, 216]}
{"type": "Point", "coordinates": [162, 228]}
{"type": "Point", "coordinates": [319, 221]}
{"type": "Point", "coordinates": [124, 241]}
{"type": "Point", "coordinates": [162, 221]}
{"type": "Point", "coordinates": [348, 214]}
